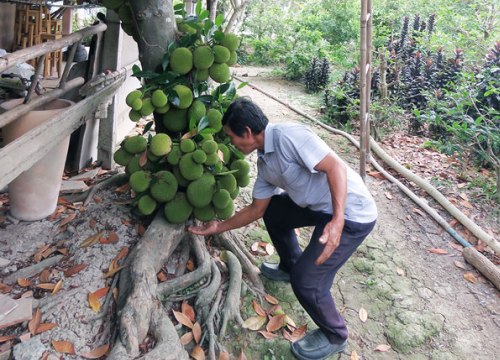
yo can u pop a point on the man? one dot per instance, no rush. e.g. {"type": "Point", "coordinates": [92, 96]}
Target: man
{"type": "Point", "coordinates": [320, 191]}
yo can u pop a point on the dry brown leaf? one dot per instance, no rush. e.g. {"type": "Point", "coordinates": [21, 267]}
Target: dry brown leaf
{"type": "Point", "coordinates": [7, 338]}
{"type": "Point", "coordinates": [97, 352]}
{"type": "Point", "coordinates": [22, 282]}
{"type": "Point", "coordinates": [376, 174]}
{"type": "Point", "coordinates": [258, 309]}
{"type": "Point", "coordinates": [382, 348]}
{"type": "Point", "coordinates": [186, 338]}
{"type": "Point", "coordinates": [93, 222]}
{"type": "Point", "coordinates": [64, 347]}
{"type": "Point", "coordinates": [456, 246]}
{"type": "Point", "coordinates": [275, 310]}
{"type": "Point", "coordinates": [113, 237]}
{"type": "Point", "coordinates": [94, 302]}
{"type": "Point", "coordinates": [91, 240]}
{"type": "Point", "coordinates": [388, 195]}
{"type": "Point", "coordinates": [418, 211]}
{"type": "Point", "coordinates": [470, 277]}
{"type": "Point", "coordinates": [271, 299]}
{"type": "Point", "coordinates": [101, 292]}
{"type": "Point", "coordinates": [46, 286]}
{"type": "Point", "coordinates": [299, 332]}
{"type": "Point", "coordinates": [113, 271]}
{"type": "Point", "coordinates": [289, 321]}
{"type": "Point", "coordinates": [44, 276]}
{"type": "Point", "coordinates": [162, 276]}
{"type": "Point", "coordinates": [48, 252]}
{"type": "Point", "coordinates": [67, 220]}
{"type": "Point", "coordinates": [140, 229]}
{"type": "Point", "coordinates": [267, 334]}
{"type": "Point", "coordinates": [97, 199]}
{"type": "Point", "coordinates": [123, 189]}
{"type": "Point", "coordinates": [223, 356]}
{"type": "Point", "coordinates": [198, 353]}
{"type": "Point", "coordinates": [123, 252]}
{"type": "Point", "coordinates": [363, 314]}
{"type": "Point", "coordinates": [35, 321]}
{"type": "Point", "coordinates": [354, 355]}
{"type": "Point", "coordinates": [242, 356]}
{"type": "Point", "coordinates": [254, 322]}
{"type": "Point", "coordinates": [57, 287]}
{"type": "Point", "coordinates": [5, 288]}
{"type": "Point", "coordinates": [276, 323]}
{"type": "Point", "coordinates": [188, 310]}
{"type": "Point", "coordinates": [143, 159]}
{"type": "Point", "coordinates": [115, 294]}
{"type": "Point", "coordinates": [437, 251]}
{"type": "Point", "coordinates": [45, 327]}
{"type": "Point", "coordinates": [38, 255]}
{"type": "Point", "coordinates": [459, 264]}
{"type": "Point", "coordinates": [197, 332]}
{"type": "Point", "coordinates": [63, 251]}
{"type": "Point", "coordinates": [183, 319]}
{"type": "Point", "coordinates": [74, 270]}
{"type": "Point", "coordinates": [466, 204]}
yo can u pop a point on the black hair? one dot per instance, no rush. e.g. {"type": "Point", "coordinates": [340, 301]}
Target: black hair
{"type": "Point", "coordinates": [243, 113]}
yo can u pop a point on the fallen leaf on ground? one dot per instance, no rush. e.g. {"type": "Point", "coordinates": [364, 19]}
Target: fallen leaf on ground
{"type": "Point", "coordinates": [44, 276]}
{"type": "Point", "coordinates": [123, 189]}
{"type": "Point", "coordinates": [459, 264]}
{"type": "Point", "coordinates": [376, 174]}
{"type": "Point", "coordinates": [46, 286]}
{"type": "Point", "coordinates": [470, 277]}
{"type": "Point", "coordinates": [123, 252]}
{"type": "Point", "coordinates": [223, 356]}
{"type": "Point", "coordinates": [187, 338]}
{"type": "Point", "coordinates": [276, 323]}
{"type": "Point", "coordinates": [354, 355]}
{"type": "Point", "coordinates": [57, 287]}
{"type": "Point", "coordinates": [254, 322]}
{"type": "Point", "coordinates": [96, 353]}
{"type": "Point", "coordinates": [258, 309]}
{"type": "Point", "coordinates": [45, 327]}
{"type": "Point", "coordinates": [91, 240]}
{"type": "Point", "coordinates": [38, 255]}
{"type": "Point", "coordinates": [363, 315]}
{"type": "Point", "coordinates": [67, 220]}
{"type": "Point", "coordinates": [64, 347]}
{"type": "Point", "coordinates": [388, 195]}
{"type": "Point", "coordinates": [7, 338]}
{"type": "Point", "coordinates": [289, 321]}
{"type": "Point", "coordinates": [271, 299]}
{"type": "Point", "coordinates": [400, 272]}
{"type": "Point", "coordinates": [22, 282]}
{"type": "Point", "coordinates": [101, 292]}
{"type": "Point", "coordinates": [242, 356]}
{"type": "Point", "coordinates": [94, 302]}
{"type": "Point", "coordinates": [268, 335]}
{"type": "Point", "coordinates": [183, 319]}
{"type": "Point", "coordinates": [188, 310]}
{"type": "Point", "coordinates": [5, 288]}
{"type": "Point", "coordinates": [382, 348]}
{"type": "Point", "coordinates": [35, 321]}
{"type": "Point", "coordinates": [197, 332]}
{"type": "Point", "coordinates": [269, 249]}
{"type": "Point", "coordinates": [255, 246]}
{"type": "Point", "coordinates": [74, 270]}
{"type": "Point", "coordinates": [161, 276]}
{"type": "Point", "coordinates": [418, 211]}
{"type": "Point", "coordinates": [437, 251]}
{"type": "Point", "coordinates": [198, 353]}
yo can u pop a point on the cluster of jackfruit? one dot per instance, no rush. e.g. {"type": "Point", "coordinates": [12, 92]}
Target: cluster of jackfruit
{"type": "Point", "coordinates": [186, 177]}
{"type": "Point", "coordinates": [122, 8]}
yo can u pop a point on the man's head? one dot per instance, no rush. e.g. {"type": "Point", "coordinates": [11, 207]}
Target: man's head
{"type": "Point", "coordinates": [244, 122]}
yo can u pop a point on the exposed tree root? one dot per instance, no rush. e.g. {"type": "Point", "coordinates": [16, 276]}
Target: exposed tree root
{"type": "Point", "coordinates": [232, 305]}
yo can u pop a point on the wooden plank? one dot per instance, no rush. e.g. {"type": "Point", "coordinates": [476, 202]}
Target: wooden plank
{"type": "Point", "coordinates": [6, 306]}
{"type": "Point", "coordinates": [21, 154]}
{"type": "Point", "coordinates": [23, 312]}
{"type": "Point", "coordinates": [32, 52]}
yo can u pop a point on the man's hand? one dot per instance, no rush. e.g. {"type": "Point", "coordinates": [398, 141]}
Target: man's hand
{"type": "Point", "coordinates": [206, 229]}
{"type": "Point", "coordinates": [331, 239]}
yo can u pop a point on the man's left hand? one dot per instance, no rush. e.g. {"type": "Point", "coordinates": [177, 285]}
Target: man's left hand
{"type": "Point", "coordinates": [331, 239]}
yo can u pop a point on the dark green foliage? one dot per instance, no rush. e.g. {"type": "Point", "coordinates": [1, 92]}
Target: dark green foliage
{"type": "Point", "coordinates": [316, 78]}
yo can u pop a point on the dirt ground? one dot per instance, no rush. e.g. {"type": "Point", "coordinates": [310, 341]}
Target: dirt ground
{"type": "Point", "coordinates": [418, 304]}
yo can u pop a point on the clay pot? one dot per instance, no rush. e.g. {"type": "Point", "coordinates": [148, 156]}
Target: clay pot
{"type": "Point", "coordinates": [33, 194]}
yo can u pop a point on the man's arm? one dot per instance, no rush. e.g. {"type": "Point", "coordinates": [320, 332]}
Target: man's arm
{"type": "Point", "coordinates": [244, 217]}
{"type": "Point", "coordinates": [336, 173]}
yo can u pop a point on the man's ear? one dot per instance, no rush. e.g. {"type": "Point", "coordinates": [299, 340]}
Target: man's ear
{"type": "Point", "coordinates": [248, 131]}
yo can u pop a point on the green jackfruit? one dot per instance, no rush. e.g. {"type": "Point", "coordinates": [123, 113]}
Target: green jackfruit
{"type": "Point", "coordinates": [220, 73]}
{"type": "Point", "coordinates": [181, 60]}
{"type": "Point", "coordinates": [188, 168]}
{"type": "Point", "coordinates": [235, 192]}
{"type": "Point", "coordinates": [233, 59]}
{"type": "Point", "coordinates": [185, 96]}
{"type": "Point", "coordinates": [243, 180]}
{"type": "Point", "coordinates": [199, 192]}
{"type": "Point", "coordinates": [135, 94]}
{"type": "Point", "coordinates": [212, 159]}
{"type": "Point", "coordinates": [163, 109]}
{"type": "Point", "coordinates": [187, 145]}
{"type": "Point", "coordinates": [199, 156]}
{"type": "Point", "coordinates": [225, 213]}
{"type": "Point", "coordinates": [206, 213]}
{"type": "Point", "coordinates": [152, 158]}
{"type": "Point", "coordinates": [231, 41]}
{"type": "Point", "coordinates": [203, 57]}
{"type": "Point", "coordinates": [135, 144]}
{"type": "Point", "coordinates": [225, 152]}
{"type": "Point", "coordinates": [227, 182]}
{"type": "Point", "coordinates": [140, 181]}
{"type": "Point", "coordinates": [175, 120]}
{"type": "Point", "coordinates": [197, 110]}
{"type": "Point", "coordinates": [164, 187]}
{"type": "Point", "coordinates": [181, 180]}
{"type": "Point", "coordinates": [178, 210]}
{"type": "Point", "coordinates": [147, 107]}
{"type": "Point", "coordinates": [134, 115]}
{"type": "Point", "coordinates": [221, 54]}
{"type": "Point", "coordinates": [146, 205]}
{"type": "Point", "coordinates": [136, 104]}
{"type": "Point", "coordinates": [202, 75]}
{"type": "Point", "coordinates": [159, 99]}
{"type": "Point", "coordinates": [133, 165]}
{"type": "Point", "coordinates": [209, 146]}
{"type": "Point", "coordinates": [160, 145]}
{"type": "Point", "coordinates": [221, 199]}
{"type": "Point", "coordinates": [174, 155]}
{"type": "Point", "coordinates": [242, 166]}
{"type": "Point", "coordinates": [214, 119]}
{"type": "Point", "coordinates": [122, 157]}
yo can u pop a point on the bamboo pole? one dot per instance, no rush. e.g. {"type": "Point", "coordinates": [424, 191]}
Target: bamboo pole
{"type": "Point", "coordinates": [363, 87]}
{"type": "Point", "coordinates": [368, 77]}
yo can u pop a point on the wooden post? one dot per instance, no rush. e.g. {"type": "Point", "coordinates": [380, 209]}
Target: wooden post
{"type": "Point", "coordinates": [365, 80]}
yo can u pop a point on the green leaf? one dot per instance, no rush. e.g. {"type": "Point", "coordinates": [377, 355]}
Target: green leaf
{"type": "Point", "coordinates": [202, 124]}
{"type": "Point", "coordinates": [146, 74]}
{"type": "Point", "coordinates": [179, 6]}
{"type": "Point", "coordinates": [204, 14]}
{"type": "Point", "coordinates": [243, 84]}
{"type": "Point", "coordinates": [192, 122]}
{"type": "Point", "coordinates": [219, 19]}
{"type": "Point", "coordinates": [208, 130]}
{"type": "Point", "coordinates": [238, 154]}
{"type": "Point", "coordinates": [171, 47]}
{"type": "Point", "coordinates": [219, 36]}
{"type": "Point", "coordinates": [207, 27]}
{"type": "Point", "coordinates": [198, 8]}
{"type": "Point", "coordinates": [135, 70]}
{"type": "Point", "coordinates": [206, 99]}
{"type": "Point", "coordinates": [227, 172]}
{"type": "Point", "coordinates": [165, 61]}
{"type": "Point", "coordinates": [147, 128]}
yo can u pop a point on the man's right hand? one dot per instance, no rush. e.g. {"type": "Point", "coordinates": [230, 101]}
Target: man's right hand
{"type": "Point", "coordinates": [206, 229]}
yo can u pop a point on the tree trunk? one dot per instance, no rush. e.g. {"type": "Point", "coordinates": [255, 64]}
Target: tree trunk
{"type": "Point", "coordinates": [239, 7]}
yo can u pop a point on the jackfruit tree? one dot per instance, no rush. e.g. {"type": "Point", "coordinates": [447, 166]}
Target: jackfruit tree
{"type": "Point", "coordinates": [182, 169]}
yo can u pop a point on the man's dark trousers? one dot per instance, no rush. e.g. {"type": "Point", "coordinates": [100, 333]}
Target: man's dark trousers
{"type": "Point", "coordinates": [312, 283]}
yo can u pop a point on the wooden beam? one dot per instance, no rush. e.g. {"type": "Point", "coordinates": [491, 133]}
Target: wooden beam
{"type": "Point", "coordinates": [21, 154]}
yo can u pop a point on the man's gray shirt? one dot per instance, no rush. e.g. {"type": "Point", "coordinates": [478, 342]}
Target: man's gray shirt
{"type": "Point", "coordinates": [291, 151]}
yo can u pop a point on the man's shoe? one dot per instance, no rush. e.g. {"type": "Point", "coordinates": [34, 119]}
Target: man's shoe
{"type": "Point", "coordinates": [316, 346]}
{"type": "Point", "coordinates": [273, 272]}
